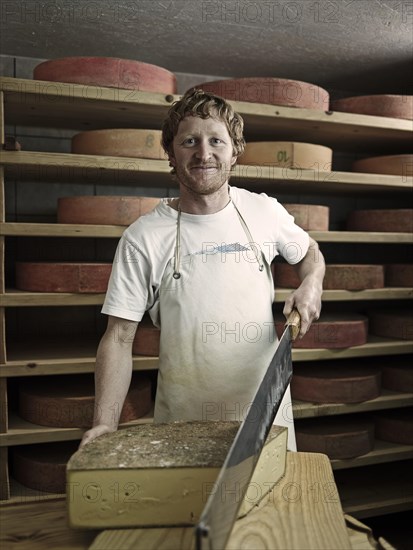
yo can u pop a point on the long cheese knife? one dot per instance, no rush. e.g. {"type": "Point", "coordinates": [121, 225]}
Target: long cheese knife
{"type": "Point", "coordinates": [220, 512]}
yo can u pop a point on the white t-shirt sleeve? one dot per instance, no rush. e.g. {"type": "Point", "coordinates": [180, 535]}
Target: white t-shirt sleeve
{"type": "Point", "coordinates": [129, 289]}
{"type": "Point", "coordinates": [292, 241]}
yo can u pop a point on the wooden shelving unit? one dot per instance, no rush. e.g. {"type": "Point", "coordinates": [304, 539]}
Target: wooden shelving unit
{"type": "Point", "coordinates": [77, 107]}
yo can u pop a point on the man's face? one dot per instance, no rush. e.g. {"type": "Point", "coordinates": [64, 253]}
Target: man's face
{"type": "Point", "coordinates": [202, 154]}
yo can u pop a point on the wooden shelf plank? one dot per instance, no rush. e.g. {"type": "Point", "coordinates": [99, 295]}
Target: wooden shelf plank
{"type": "Point", "coordinates": [387, 400]}
{"type": "Point", "coordinates": [20, 298]}
{"type": "Point", "coordinates": [375, 490]}
{"type": "Point", "coordinates": [22, 432]}
{"type": "Point", "coordinates": [16, 229]}
{"type": "Point", "coordinates": [55, 104]}
{"type": "Point", "coordinates": [383, 452]}
{"type": "Point", "coordinates": [57, 167]}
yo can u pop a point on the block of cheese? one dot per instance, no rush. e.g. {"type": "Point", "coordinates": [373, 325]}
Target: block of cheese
{"type": "Point", "coordinates": [310, 217]}
{"type": "Point", "coordinates": [274, 91]}
{"type": "Point", "coordinates": [338, 276]}
{"type": "Point", "coordinates": [335, 382]}
{"type": "Point", "coordinates": [398, 220]}
{"type": "Point", "coordinates": [395, 425]}
{"type": "Point", "coordinates": [119, 143]}
{"type": "Point", "coordinates": [106, 210]}
{"type": "Point", "coordinates": [392, 324]}
{"type": "Point", "coordinates": [110, 72]}
{"type": "Point", "coordinates": [161, 474]}
{"type": "Point", "coordinates": [399, 275]}
{"type": "Point", "coordinates": [147, 339]}
{"type": "Point", "coordinates": [331, 331]}
{"type": "Point", "coordinates": [287, 154]}
{"type": "Point", "coordinates": [398, 377]}
{"type": "Point", "coordinates": [395, 165]}
{"type": "Point", "coordinates": [69, 401]}
{"type": "Point", "coordinates": [43, 466]}
{"type": "Point", "coordinates": [337, 437]}
{"type": "Point", "coordinates": [388, 105]}
{"type": "Point", "coordinates": [82, 277]}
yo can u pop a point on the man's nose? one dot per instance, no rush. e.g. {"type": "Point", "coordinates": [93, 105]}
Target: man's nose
{"type": "Point", "coordinates": [203, 151]}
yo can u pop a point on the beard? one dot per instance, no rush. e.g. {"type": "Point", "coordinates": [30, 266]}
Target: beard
{"type": "Point", "coordinates": [203, 179]}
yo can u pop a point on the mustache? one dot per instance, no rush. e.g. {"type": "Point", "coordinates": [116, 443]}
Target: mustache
{"type": "Point", "coordinates": [207, 165]}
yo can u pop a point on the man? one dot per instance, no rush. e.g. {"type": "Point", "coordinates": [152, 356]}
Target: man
{"type": "Point", "coordinates": [200, 265]}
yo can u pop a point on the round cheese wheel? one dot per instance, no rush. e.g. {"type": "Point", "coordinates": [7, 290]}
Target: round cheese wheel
{"type": "Point", "coordinates": [310, 217]}
{"type": "Point", "coordinates": [337, 437]}
{"type": "Point", "coordinates": [119, 143]}
{"type": "Point", "coordinates": [392, 324]}
{"type": "Point", "coordinates": [288, 154]}
{"type": "Point", "coordinates": [68, 401]}
{"type": "Point", "coordinates": [345, 382]}
{"type": "Point", "coordinates": [396, 165]}
{"type": "Point", "coordinates": [43, 466]}
{"type": "Point", "coordinates": [394, 106]}
{"type": "Point", "coordinates": [106, 210]}
{"type": "Point", "coordinates": [399, 275]}
{"type": "Point", "coordinates": [275, 91]}
{"type": "Point", "coordinates": [398, 377]}
{"type": "Point", "coordinates": [147, 339]}
{"type": "Point", "coordinates": [110, 72]}
{"type": "Point", "coordinates": [399, 220]}
{"type": "Point", "coordinates": [331, 331]}
{"type": "Point", "coordinates": [338, 276]}
{"type": "Point", "coordinates": [62, 276]}
{"type": "Point", "coordinates": [395, 425]}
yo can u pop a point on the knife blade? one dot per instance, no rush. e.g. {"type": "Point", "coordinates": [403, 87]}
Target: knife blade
{"type": "Point", "coordinates": [220, 512]}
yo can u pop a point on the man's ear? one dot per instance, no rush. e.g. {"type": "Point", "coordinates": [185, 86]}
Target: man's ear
{"type": "Point", "coordinates": [172, 161]}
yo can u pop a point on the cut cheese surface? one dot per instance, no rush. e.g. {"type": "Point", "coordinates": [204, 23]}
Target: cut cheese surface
{"type": "Point", "coordinates": [120, 143]}
{"type": "Point", "coordinates": [395, 165]}
{"type": "Point", "coordinates": [163, 473]}
{"type": "Point", "coordinates": [331, 331]}
{"type": "Point", "coordinates": [342, 382]}
{"type": "Point", "coordinates": [337, 437]}
{"type": "Point", "coordinates": [310, 217]}
{"type": "Point", "coordinates": [106, 210]}
{"type": "Point", "coordinates": [274, 91]}
{"type": "Point", "coordinates": [69, 401]}
{"type": "Point", "coordinates": [387, 105]}
{"type": "Point", "coordinates": [338, 276]}
{"type": "Point", "coordinates": [43, 466]}
{"type": "Point", "coordinates": [287, 154]}
{"type": "Point", "coordinates": [81, 277]}
{"type": "Point", "coordinates": [398, 220]}
{"type": "Point", "coordinates": [392, 324]}
{"type": "Point", "coordinates": [111, 72]}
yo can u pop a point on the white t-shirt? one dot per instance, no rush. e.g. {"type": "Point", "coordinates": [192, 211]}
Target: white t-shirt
{"type": "Point", "coordinates": [149, 243]}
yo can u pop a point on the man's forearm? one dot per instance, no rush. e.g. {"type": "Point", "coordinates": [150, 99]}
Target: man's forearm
{"type": "Point", "coordinates": [112, 379]}
{"type": "Point", "coordinates": [313, 265]}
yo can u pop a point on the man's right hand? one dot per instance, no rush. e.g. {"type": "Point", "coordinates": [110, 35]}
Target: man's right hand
{"type": "Point", "coordinates": [95, 432]}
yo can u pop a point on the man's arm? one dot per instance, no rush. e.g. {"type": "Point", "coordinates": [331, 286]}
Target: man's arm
{"type": "Point", "coordinates": [307, 298]}
{"type": "Point", "coordinates": [113, 372]}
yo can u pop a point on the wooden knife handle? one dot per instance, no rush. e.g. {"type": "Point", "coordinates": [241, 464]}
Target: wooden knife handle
{"type": "Point", "coordinates": [294, 322]}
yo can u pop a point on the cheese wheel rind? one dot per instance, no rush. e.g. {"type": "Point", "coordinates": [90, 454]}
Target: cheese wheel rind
{"type": "Point", "coordinates": [122, 142]}
{"type": "Point", "coordinates": [399, 275]}
{"type": "Point", "coordinates": [84, 277]}
{"type": "Point", "coordinates": [310, 217]}
{"type": "Point", "coordinates": [395, 426]}
{"type": "Point", "coordinates": [273, 91]}
{"type": "Point", "coordinates": [394, 165]}
{"type": "Point", "coordinates": [392, 324]}
{"type": "Point", "coordinates": [147, 339]}
{"type": "Point", "coordinates": [287, 154]}
{"type": "Point", "coordinates": [103, 210]}
{"type": "Point", "coordinates": [387, 105]}
{"type": "Point", "coordinates": [398, 220]}
{"type": "Point", "coordinates": [398, 377]}
{"type": "Point", "coordinates": [110, 72]}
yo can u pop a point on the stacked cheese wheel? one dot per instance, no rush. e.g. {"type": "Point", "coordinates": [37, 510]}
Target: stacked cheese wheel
{"type": "Point", "coordinates": [274, 91]}
{"type": "Point", "coordinates": [388, 105]}
{"type": "Point", "coordinates": [399, 275]}
{"type": "Point", "coordinates": [120, 143]}
{"type": "Point", "coordinates": [147, 339]}
{"type": "Point", "coordinates": [331, 331]}
{"type": "Point", "coordinates": [110, 72]}
{"type": "Point", "coordinates": [287, 154]}
{"type": "Point", "coordinates": [338, 276]}
{"type": "Point", "coordinates": [310, 217]}
{"type": "Point", "coordinates": [78, 277]}
{"type": "Point", "coordinates": [398, 376]}
{"type": "Point", "coordinates": [395, 425]}
{"type": "Point", "coordinates": [392, 324]}
{"type": "Point", "coordinates": [69, 402]}
{"type": "Point", "coordinates": [394, 165]}
{"type": "Point", "coordinates": [398, 220]}
{"type": "Point", "coordinates": [118, 210]}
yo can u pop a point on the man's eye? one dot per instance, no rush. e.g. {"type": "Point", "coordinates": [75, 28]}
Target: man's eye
{"type": "Point", "coordinates": [189, 141]}
{"type": "Point", "coordinates": [217, 140]}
